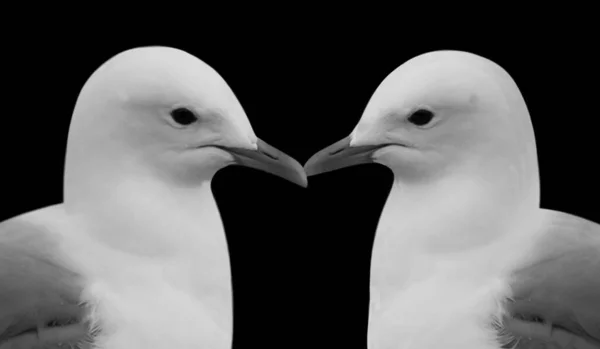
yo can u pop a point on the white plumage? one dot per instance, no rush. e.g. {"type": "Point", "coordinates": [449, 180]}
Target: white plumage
{"type": "Point", "coordinates": [462, 232]}
{"type": "Point", "coordinates": [136, 256]}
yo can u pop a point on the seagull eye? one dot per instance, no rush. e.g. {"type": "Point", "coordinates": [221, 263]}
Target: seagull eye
{"type": "Point", "coordinates": [421, 117]}
{"type": "Point", "coordinates": [183, 116]}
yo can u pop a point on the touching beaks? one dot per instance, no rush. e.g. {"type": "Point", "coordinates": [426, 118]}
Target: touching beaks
{"type": "Point", "coordinates": [268, 159]}
{"type": "Point", "coordinates": [339, 155]}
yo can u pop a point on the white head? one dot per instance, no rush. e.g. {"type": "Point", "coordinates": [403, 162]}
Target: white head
{"type": "Point", "coordinates": [444, 122]}
{"type": "Point", "coordinates": [159, 111]}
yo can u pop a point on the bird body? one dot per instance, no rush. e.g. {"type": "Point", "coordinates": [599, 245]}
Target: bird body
{"type": "Point", "coordinates": [463, 250]}
{"type": "Point", "coordinates": [136, 256]}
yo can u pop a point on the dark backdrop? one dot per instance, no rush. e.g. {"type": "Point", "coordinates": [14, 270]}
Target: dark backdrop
{"type": "Point", "coordinates": [300, 257]}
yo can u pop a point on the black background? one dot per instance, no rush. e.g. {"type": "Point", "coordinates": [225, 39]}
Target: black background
{"type": "Point", "coordinates": [300, 257]}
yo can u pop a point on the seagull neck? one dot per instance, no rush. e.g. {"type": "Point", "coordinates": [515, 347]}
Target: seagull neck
{"type": "Point", "coordinates": [143, 215]}
{"type": "Point", "coordinates": [444, 252]}
{"type": "Point", "coordinates": [454, 221]}
{"type": "Point", "coordinates": [159, 240]}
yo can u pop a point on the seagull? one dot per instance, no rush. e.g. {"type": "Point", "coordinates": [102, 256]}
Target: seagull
{"type": "Point", "coordinates": [136, 255]}
{"type": "Point", "coordinates": [464, 257]}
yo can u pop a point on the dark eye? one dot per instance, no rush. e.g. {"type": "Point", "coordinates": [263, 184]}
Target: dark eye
{"type": "Point", "coordinates": [421, 117]}
{"type": "Point", "coordinates": [183, 116]}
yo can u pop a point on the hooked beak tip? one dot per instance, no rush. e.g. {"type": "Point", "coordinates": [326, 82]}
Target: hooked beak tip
{"type": "Point", "coordinates": [266, 158]}
{"type": "Point", "coordinates": [339, 155]}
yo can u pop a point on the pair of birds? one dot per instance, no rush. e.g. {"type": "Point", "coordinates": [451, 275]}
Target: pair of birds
{"type": "Point", "coordinates": [136, 256]}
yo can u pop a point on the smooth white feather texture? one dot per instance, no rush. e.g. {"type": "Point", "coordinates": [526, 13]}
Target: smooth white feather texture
{"type": "Point", "coordinates": [448, 244]}
{"type": "Point", "coordinates": [139, 234]}
{"type": "Point", "coordinates": [462, 221]}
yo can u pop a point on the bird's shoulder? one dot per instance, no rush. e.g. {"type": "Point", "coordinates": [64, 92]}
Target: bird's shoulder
{"type": "Point", "coordinates": [564, 234]}
{"type": "Point", "coordinates": [560, 281]}
{"type": "Point", "coordinates": [38, 290]}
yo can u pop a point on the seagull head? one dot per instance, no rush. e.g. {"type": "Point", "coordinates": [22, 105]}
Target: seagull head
{"type": "Point", "coordinates": [164, 111]}
{"type": "Point", "coordinates": [440, 114]}
{"type": "Point", "coordinates": [455, 130]}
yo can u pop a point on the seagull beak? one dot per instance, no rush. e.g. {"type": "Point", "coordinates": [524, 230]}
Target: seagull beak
{"type": "Point", "coordinates": [268, 159]}
{"type": "Point", "coordinates": [339, 155]}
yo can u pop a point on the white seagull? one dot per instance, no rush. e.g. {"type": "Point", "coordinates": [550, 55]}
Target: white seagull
{"type": "Point", "coordinates": [136, 256]}
{"type": "Point", "coordinates": [464, 257]}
